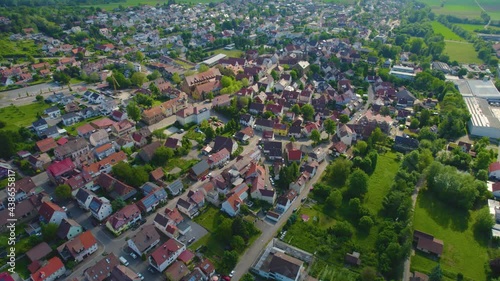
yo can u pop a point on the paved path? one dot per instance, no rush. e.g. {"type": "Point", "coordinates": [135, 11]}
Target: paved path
{"type": "Point", "coordinates": [253, 253]}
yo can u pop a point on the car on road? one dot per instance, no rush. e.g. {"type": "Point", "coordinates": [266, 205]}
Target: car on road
{"type": "Point", "coordinates": [231, 274]}
{"type": "Point", "coordinates": [133, 255]}
{"type": "Point", "coordinates": [64, 208]}
{"type": "Point", "coordinates": [191, 240]}
{"type": "Point", "coordinates": [303, 199]}
{"type": "Point", "coordinates": [140, 276]}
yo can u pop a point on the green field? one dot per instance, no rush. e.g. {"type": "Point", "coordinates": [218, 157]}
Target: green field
{"type": "Point", "coordinates": [492, 7]}
{"type": "Point", "coordinates": [21, 116]}
{"type": "Point", "coordinates": [229, 53]}
{"type": "Point", "coordinates": [474, 27]}
{"type": "Point", "coordinates": [21, 48]}
{"type": "Point", "coordinates": [129, 3]}
{"type": "Point", "coordinates": [448, 34]}
{"type": "Point", "coordinates": [461, 52]}
{"type": "Point", "coordinates": [459, 8]}
{"type": "Point", "coordinates": [462, 252]}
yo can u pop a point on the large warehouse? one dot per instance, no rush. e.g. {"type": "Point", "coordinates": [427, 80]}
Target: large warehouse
{"type": "Point", "coordinates": [483, 102]}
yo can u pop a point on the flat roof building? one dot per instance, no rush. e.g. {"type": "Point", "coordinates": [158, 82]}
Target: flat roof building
{"type": "Point", "coordinates": [213, 60]}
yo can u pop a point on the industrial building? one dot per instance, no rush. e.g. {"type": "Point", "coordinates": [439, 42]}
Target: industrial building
{"type": "Point", "coordinates": [483, 102]}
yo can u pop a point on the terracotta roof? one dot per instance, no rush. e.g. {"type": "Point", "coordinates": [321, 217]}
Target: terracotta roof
{"type": "Point", "coordinates": [48, 209]}
{"type": "Point", "coordinates": [102, 123]}
{"type": "Point", "coordinates": [52, 266]}
{"type": "Point", "coordinates": [46, 144]}
{"type": "Point", "coordinates": [157, 173]}
{"type": "Point", "coordinates": [112, 159]}
{"type": "Point", "coordinates": [165, 251]}
{"type": "Point", "coordinates": [174, 215]}
{"type": "Point", "coordinates": [494, 167]}
{"type": "Point", "coordinates": [176, 271]}
{"type": "Point", "coordinates": [207, 267]}
{"type": "Point", "coordinates": [294, 155]}
{"type": "Point", "coordinates": [186, 256]}
{"type": "Point", "coordinates": [103, 147]}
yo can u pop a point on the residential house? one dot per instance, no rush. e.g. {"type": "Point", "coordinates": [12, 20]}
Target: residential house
{"type": "Point", "coordinates": [71, 118]}
{"type": "Point", "coordinates": [177, 271]}
{"type": "Point", "coordinates": [52, 270]}
{"type": "Point", "coordinates": [247, 120]}
{"type": "Point", "coordinates": [73, 148]}
{"type": "Point", "coordinates": [152, 200]}
{"type": "Point", "coordinates": [256, 108]}
{"type": "Point", "coordinates": [51, 213]}
{"type": "Point", "coordinates": [147, 152]}
{"type": "Point", "coordinates": [198, 84]}
{"type": "Point", "coordinates": [105, 165]}
{"type": "Point", "coordinates": [405, 144]}
{"type": "Point", "coordinates": [99, 138]}
{"type": "Point", "coordinates": [157, 174]}
{"type": "Point", "coordinates": [102, 268]}
{"type": "Point", "coordinates": [119, 116]}
{"type": "Point", "coordinates": [104, 123]}
{"type": "Point", "coordinates": [172, 143]}
{"type": "Point", "coordinates": [104, 150]}
{"type": "Point", "coordinates": [318, 155]}
{"type": "Point", "coordinates": [218, 158]}
{"type": "Point", "coordinates": [78, 248]}
{"type": "Point", "coordinates": [235, 199]}
{"type": "Point", "coordinates": [345, 134]}
{"type": "Point", "coordinates": [221, 142]}
{"type": "Point", "coordinates": [52, 112]}
{"type": "Point", "coordinates": [123, 219]}
{"type": "Point", "coordinates": [24, 188]}
{"type": "Point", "coordinates": [68, 229]}
{"type": "Point", "coordinates": [222, 100]}
{"type": "Point", "coordinates": [494, 170]}
{"type": "Point", "coordinates": [123, 128]}
{"type": "Point", "coordinates": [244, 134]}
{"type": "Point", "coordinates": [280, 129]}
{"type": "Point", "coordinates": [166, 254]}
{"type": "Point", "coordinates": [352, 259]}
{"type": "Point", "coordinates": [39, 162]}
{"type": "Point", "coordinates": [46, 145]}
{"type": "Point", "coordinates": [419, 276]}
{"type": "Point", "coordinates": [25, 211]}
{"type": "Point", "coordinates": [100, 208]}
{"type": "Point", "coordinates": [115, 188]}
{"type": "Point", "coordinates": [85, 131]}
{"type": "Point", "coordinates": [153, 115]}
{"type": "Point", "coordinates": [199, 170]}
{"type": "Point", "coordinates": [39, 126]}
{"type": "Point", "coordinates": [428, 243]}
{"type": "Point", "coordinates": [57, 170]}
{"type": "Point", "coordinates": [299, 184]}
{"type": "Point", "coordinates": [144, 240]}
{"type": "Point", "coordinates": [285, 201]}
{"type": "Point", "coordinates": [196, 275]}
{"type": "Point", "coordinates": [175, 187]}
{"type": "Point", "coordinates": [405, 98]}
{"type": "Point", "coordinates": [207, 267]}
{"type": "Point", "coordinates": [280, 266]}
{"type": "Point", "coordinates": [263, 124]}
{"type": "Point", "coordinates": [123, 273]}
{"type": "Point", "coordinates": [273, 150]}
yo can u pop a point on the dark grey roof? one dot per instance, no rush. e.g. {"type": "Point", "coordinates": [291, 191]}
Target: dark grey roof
{"type": "Point", "coordinates": [50, 131]}
{"type": "Point", "coordinates": [39, 123]}
{"type": "Point", "coordinates": [175, 187]}
{"type": "Point", "coordinates": [52, 109]}
{"type": "Point", "coordinates": [161, 219]}
{"type": "Point", "coordinates": [200, 167]}
{"type": "Point", "coordinates": [148, 187]}
{"type": "Point", "coordinates": [83, 194]}
{"type": "Point", "coordinates": [183, 203]}
{"type": "Point", "coordinates": [70, 115]}
{"type": "Point", "coordinates": [272, 145]}
{"type": "Point", "coordinates": [264, 122]}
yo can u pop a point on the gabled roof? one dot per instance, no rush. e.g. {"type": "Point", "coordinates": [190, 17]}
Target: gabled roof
{"type": "Point", "coordinates": [46, 144]}
{"type": "Point", "coordinates": [175, 187]}
{"type": "Point", "coordinates": [48, 209]}
{"type": "Point", "coordinates": [102, 269]}
{"type": "Point", "coordinates": [146, 237]}
{"type": "Point", "coordinates": [65, 227]}
{"type": "Point", "coordinates": [82, 242]}
{"type": "Point", "coordinates": [52, 266]}
{"type": "Point", "coordinates": [200, 167]}
{"type": "Point", "coordinates": [38, 252]}
{"type": "Point", "coordinates": [165, 251]}
{"type": "Point", "coordinates": [124, 216]}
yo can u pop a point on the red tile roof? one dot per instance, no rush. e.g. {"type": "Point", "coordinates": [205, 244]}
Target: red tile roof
{"type": "Point", "coordinates": [46, 144]}
{"type": "Point", "coordinates": [53, 265]}
{"type": "Point", "coordinates": [85, 129]}
{"type": "Point", "coordinates": [186, 256]}
{"type": "Point", "coordinates": [294, 155]}
{"type": "Point", "coordinates": [48, 209]}
{"type": "Point", "coordinates": [61, 167]}
{"type": "Point", "coordinates": [165, 251]}
{"type": "Point", "coordinates": [494, 166]}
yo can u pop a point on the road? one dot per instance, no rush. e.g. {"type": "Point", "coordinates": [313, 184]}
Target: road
{"type": "Point", "coordinates": [253, 253]}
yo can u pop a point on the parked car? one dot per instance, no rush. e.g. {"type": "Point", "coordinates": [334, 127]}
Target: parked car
{"type": "Point", "coordinates": [124, 261]}
{"type": "Point", "coordinates": [231, 274]}
{"type": "Point", "coordinates": [191, 240]}
{"type": "Point", "coordinates": [140, 276]}
{"type": "Point", "coordinates": [133, 255]}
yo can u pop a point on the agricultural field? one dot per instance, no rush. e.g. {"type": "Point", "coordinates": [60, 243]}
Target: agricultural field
{"type": "Point", "coordinates": [21, 116]}
{"type": "Point", "coordinates": [474, 27]}
{"type": "Point", "coordinates": [459, 8]}
{"type": "Point", "coordinates": [462, 52]}
{"type": "Point", "coordinates": [129, 3]}
{"type": "Point", "coordinates": [492, 7]}
{"type": "Point", "coordinates": [448, 34]}
{"type": "Point", "coordinates": [230, 53]}
{"type": "Point", "coordinates": [463, 253]}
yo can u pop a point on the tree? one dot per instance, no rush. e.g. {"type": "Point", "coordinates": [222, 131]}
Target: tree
{"type": "Point", "coordinates": [315, 136]}
{"type": "Point", "coordinates": [365, 223]}
{"type": "Point", "coordinates": [436, 274]}
{"type": "Point", "coordinates": [210, 96]}
{"type": "Point", "coordinates": [138, 78]}
{"type": "Point", "coordinates": [361, 148]}
{"type": "Point", "coordinates": [8, 139]}
{"type": "Point", "coordinates": [484, 223]}
{"type": "Point", "coordinates": [369, 274]}
{"type": "Point", "coordinates": [238, 228]}
{"type": "Point", "coordinates": [307, 111]}
{"type": "Point", "coordinates": [248, 277]}
{"type": "Point", "coordinates": [357, 183]}
{"type": "Point", "coordinates": [343, 118]}
{"type": "Point", "coordinates": [295, 109]}
{"type": "Point", "coordinates": [39, 98]}
{"type": "Point", "coordinates": [482, 161]}
{"type": "Point", "coordinates": [334, 200]}
{"type": "Point", "coordinates": [338, 171]}
{"type": "Point", "coordinates": [118, 204]}
{"type": "Point", "coordinates": [162, 155]}
{"type": "Point", "coordinates": [49, 231]}
{"type": "Point", "coordinates": [139, 56]}
{"type": "Point", "coordinates": [176, 78]}
{"type": "Point", "coordinates": [133, 111]}
{"type": "Point", "coordinates": [237, 243]}
{"type": "Point", "coordinates": [203, 68]}
{"type": "Point", "coordinates": [63, 191]}
{"type": "Point", "coordinates": [330, 127]}
{"type": "Point", "coordinates": [153, 76]}
{"type": "Point", "coordinates": [229, 261]}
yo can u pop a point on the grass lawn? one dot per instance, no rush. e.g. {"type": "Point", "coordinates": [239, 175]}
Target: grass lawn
{"type": "Point", "coordinates": [20, 48]}
{"type": "Point", "coordinates": [182, 164]}
{"type": "Point", "coordinates": [184, 64]}
{"type": "Point", "coordinates": [207, 218]}
{"type": "Point", "coordinates": [463, 253]}
{"type": "Point", "coordinates": [230, 53]}
{"type": "Point", "coordinates": [461, 52]}
{"type": "Point", "coordinates": [448, 34]}
{"type": "Point", "coordinates": [474, 27]}
{"type": "Point", "coordinates": [21, 116]}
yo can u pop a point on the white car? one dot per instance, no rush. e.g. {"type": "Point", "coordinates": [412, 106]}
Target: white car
{"type": "Point", "coordinates": [64, 208]}
{"type": "Point", "coordinates": [231, 274]}
{"type": "Point", "coordinates": [140, 276]}
{"type": "Point", "coordinates": [133, 255]}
